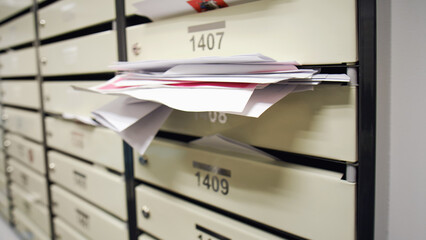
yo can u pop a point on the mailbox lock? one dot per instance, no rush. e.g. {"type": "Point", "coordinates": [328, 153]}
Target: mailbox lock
{"type": "Point", "coordinates": [7, 143]}
{"type": "Point", "coordinates": [47, 98]}
{"type": "Point", "coordinates": [145, 212]}
{"type": "Point", "coordinates": [42, 22]}
{"type": "Point", "coordinates": [136, 48]}
{"type": "Point", "coordinates": [43, 60]}
{"type": "Point", "coordinates": [143, 159]}
{"type": "Point", "coordinates": [52, 167]}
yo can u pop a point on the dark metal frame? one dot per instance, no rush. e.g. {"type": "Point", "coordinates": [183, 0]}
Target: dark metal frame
{"type": "Point", "coordinates": [366, 119]}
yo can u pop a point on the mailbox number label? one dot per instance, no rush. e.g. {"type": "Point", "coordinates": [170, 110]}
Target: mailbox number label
{"type": "Point", "coordinates": [210, 41]}
{"type": "Point", "coordinates": [213, 182]}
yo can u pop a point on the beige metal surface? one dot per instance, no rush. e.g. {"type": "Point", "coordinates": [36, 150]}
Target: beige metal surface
{"type": "Point", "coordinates": [96, 144]}
{"type": "Point", "coordinates": [86, 218]}
{"type": "Point", "coordinates": [36, 212]}
{"type": "Point", "coordinates": [104, 189]}
{"type": "Point", "coordinates": [17, 31]}
{"type": "Point", "coordinates": [129, 9]}
{"type": "Point", "coordinates": [320, 123]}
{"type": "Point", "coordinates": [17, 63]}
{"type": "Point", "coordinates": [60, 97]}
{"type": "Point", "coordinates": [21, 93]}
{"type": "Point", "coordinates": [9, 8]}
{"type": "Point", "coordinates": [88, 54]}
{"type": "Point", "coordinates": [27, 229]}
{"type": "Point", "coordinates": [31, 182]}
{"type": "Point", "coordinates": [26, 151]}
{"type": "Point", "coordinates": [2, 161]}
{"type": "Point", "coordinates": [308, 202]}
{"type": "Point", "coordinates": [146, 237]}
{"type": "Point", "coordinates": [65, 232]}
{"type": "Point", "coordinates": [172, 218]}
{"type": "Point", "coordinates": [3, 184]}
{"type": "Point", "coordinates": [4, 206]}
{"type": "Point", "coordinates": [307, 31]}
{"type": "Point", "coordinates": [23, 122]}
{"type": "Point", "coordinates": [68, 15]}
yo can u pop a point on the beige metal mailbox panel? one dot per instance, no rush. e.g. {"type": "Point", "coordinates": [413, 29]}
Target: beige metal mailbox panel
{"type": "Point", "coordinates": [2, 161]}
{"type": "Point", "coordinates": [4, 206]}
{"type": "Point", "coordinates": [3, 184]}
{"type": "Point", "coordinates": [68, 15]}
{"type": "Point", "coordinates": [146, 237]}
{"type": "Point", "coordinates": [95, 144]}
{"type": "Point", "coordinates": [129, 8]}
{"type": "Point", "coordinates": [27, 228]}
{"type": "Point", "coordinates": [20, 62]}
{"type": "Point", "coordinates": [13, 93]}
{"type": "Point", "coordinates": [172, 218]}
{"type": "Point", "coordinates": [304, 201]}
{"type": "Point", "coordinates": [18, 31]}
{"type": "Point", "coordinates": [8, 8]}
{"type": "Point", "coordinates": [31, 182]}
{"type": "Point", "coordinates": [65, 232]}
{"type": "Point", "coordinates": [60, 97]}
{"type": "Point", "coordinates": [26, 151]}
{"type": "Point", "coordinates": [85, 218]}
{"type": "Point", "coordinates": [34, 211]}
{"type": "Point", "coordinates": [319, 123]}
{"type": "Point", "coordinates": [88, 54]}
{"type": "Point", "coordinates": [98, 186]}
{"type": "Point", "coordinates": [307, 31]}
{"type": "Point", "coordinates": [26, 123]}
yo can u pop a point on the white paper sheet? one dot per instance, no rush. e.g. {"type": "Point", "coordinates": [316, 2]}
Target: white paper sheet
{"type": "Point", "coordinates": [119, 114]}
{"type": "Point", "coordinates": [160, 9]}
{"type": "Point", "coordinates": [81, 119]}
{"type": "Point", "coordinates": [226, 144]}
{"type": "Point", "coordinates": [208, 69]}
{"type": "Point", "coordinates": [141, 133]}
{"type": "Point", "coordinates": [164, 65]}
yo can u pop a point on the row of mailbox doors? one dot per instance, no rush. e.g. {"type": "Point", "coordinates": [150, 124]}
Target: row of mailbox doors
{"type": "Point", "coordinates": [300, 200]}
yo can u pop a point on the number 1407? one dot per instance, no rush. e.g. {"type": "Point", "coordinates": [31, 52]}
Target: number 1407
{"type": "Point", "coordinates": [207, 41]}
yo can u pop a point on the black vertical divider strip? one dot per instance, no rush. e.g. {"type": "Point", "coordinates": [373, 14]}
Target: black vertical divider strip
{"type": "Point", "coordinates": [365, 203]}
{"type": "Point", "coordinates": [127, 150]}
{"type": "Point", "coordinates": [43, 122]}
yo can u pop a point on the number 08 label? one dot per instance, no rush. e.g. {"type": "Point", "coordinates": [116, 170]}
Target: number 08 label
{"type": "Point", "coordinates": [207, 37]}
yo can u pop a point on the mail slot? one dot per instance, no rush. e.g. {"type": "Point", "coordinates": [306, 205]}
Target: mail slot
{"type": "Point", "coordinates": [4, 206]}
{"type": "Point", "coordinates": [95, 144]}
{"type": "Point", "coordinates": [8, 8]}
{"type": "Point", "coordinates": [13, 93]}
{"type": "Point", "coordinates": [60, 97]}
{"type": "Point", "coordinates": [309, 32]}
{"type": "Point", "coordinates": [90, 221]}
{"type": "Point", "coordinates": [31, 182]}
{"type": "Point", "coordinates": [319, 123]}
{"type": "Point", "coordinates": [35, 212]}
{"type": "Point", "coordinates": [68, 15]}
{"type": "Point", "coordinates": [305, 201]}
{"type": "Point", "coordinates": [81, 55]}
{"type": "Point", "coordinates": [26, 228]}
{"type": "Point", "coordinates": [17, 31]}
{"type": "Point", "coordinates": [17, 63]}
{"type": "Point", "coordinates": [184, 220]}
{"type": "Point", "coordinates": [98, 186]}
{"type": "Point", "coordinates": [3, 184]}
{"type": "Point", "coordinates": [26, 151]}
{"type": "Point", "coordinates": [65, 232]}
{"type": "Point", "coordinates": [26, 123]}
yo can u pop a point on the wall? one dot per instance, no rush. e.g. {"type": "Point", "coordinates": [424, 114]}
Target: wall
{"type": "Point", "coordinates": [401, 137]}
